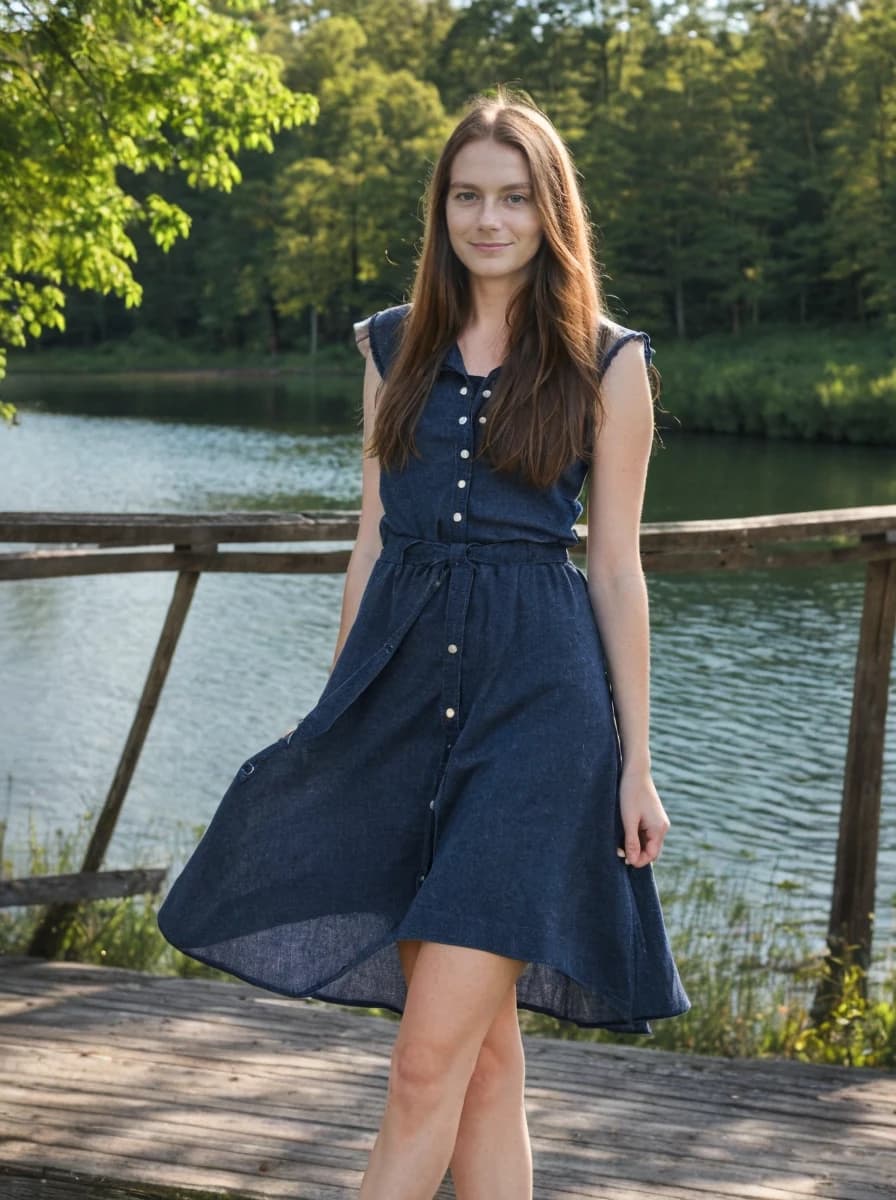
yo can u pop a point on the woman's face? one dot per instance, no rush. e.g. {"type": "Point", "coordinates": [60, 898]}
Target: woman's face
{"type": "Point", "coordinates": [493, 224]}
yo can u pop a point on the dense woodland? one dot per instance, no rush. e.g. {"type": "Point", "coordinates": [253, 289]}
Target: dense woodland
{"type": "Point", "coordinates": [738, 160]}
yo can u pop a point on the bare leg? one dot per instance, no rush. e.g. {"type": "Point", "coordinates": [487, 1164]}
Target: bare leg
{"type": "Point", "coordinates": [454, 995]}
{"type": "Point", "coordinates": [492, 1154]}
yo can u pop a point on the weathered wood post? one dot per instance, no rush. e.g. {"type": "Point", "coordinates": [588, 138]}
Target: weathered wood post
{"type": "Point", "coordinates": [57, 918]}
{"type": "Point", "coordinates": [852, 905]}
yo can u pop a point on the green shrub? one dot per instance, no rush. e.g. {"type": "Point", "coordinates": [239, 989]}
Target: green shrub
{"type": "Point", "coordinates": [806, 384]}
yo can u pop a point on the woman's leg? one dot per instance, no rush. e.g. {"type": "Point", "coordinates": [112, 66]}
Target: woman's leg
{"type": "Point", "coordinates": [492, 1154]}
{"type": "Point", "coordinates": [454, 995]}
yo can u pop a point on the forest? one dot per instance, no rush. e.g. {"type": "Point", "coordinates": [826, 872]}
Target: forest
{"type": "Point", "coordinates": [738, 160]}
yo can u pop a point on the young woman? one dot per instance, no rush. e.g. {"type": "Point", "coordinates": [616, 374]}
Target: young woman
{"type": "Point", "coordinates": [465, 822]}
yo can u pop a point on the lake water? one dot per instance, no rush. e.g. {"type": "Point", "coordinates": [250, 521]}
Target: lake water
{"type": "Point", "coordinates": [751, 672]}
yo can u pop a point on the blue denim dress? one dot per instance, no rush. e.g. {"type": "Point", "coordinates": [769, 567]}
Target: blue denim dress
{"type": "Point", "coordinates": [457, 779]}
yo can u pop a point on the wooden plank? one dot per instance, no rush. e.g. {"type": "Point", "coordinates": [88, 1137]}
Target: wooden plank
{"type": "Point", "coordinates": [337, 1104]}
{"type": "Point", "coordinates": [50, 933]}
{"type": "Point", "coordinates": [146, 529]}
{"type": "Point", "coordinates": [41, 1183]}
{"type": "Point", "coordinates": [143, 529]}
{"type": "Point", "coordinates": [777, 1085]}
{"type": "Point", "coordinates": [808, 1134]}
{"type": "Point", "coordinates": [62, 564]}
{"type": "Point", "coordinates": [202, 1083]}
{"type": "Point", "coordinates": [80, 885]}
{"type": "Point", "coordinates": [771, 527]}
{"type": "Point", "coordinates": [852, 904]}
{"type": "Point", "coordinates": [758, 558]}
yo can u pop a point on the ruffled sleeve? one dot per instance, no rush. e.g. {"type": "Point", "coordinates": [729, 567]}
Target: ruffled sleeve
{"type": "Point", "coordinates": [628, 335]}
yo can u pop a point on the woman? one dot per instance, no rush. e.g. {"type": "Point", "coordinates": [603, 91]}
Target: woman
{"type": "Point", "coordinates": [465, 822]}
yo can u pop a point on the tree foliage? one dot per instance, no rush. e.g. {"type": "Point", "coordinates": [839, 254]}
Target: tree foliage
{"type": "Point", "coordinates": [94, 94]}
{"type": "Point", "coordinates": [738, 157]}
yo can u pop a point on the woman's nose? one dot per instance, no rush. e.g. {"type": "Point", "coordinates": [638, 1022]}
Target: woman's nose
{"type": "Point", "coordinates": [489, 217]}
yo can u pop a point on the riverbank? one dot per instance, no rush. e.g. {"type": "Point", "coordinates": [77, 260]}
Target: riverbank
{"type": "Point", "coordinates": [834, 384]}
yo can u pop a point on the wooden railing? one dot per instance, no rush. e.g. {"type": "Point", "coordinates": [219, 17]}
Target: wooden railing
{"type": "Point", "coordinates": [105, 543]}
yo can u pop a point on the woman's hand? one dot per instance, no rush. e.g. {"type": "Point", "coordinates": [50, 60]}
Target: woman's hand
{"type": "Point", "coordinates": [643, 818]}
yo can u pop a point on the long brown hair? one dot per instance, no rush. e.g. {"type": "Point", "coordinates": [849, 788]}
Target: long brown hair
{"type": "Point", "coordinates": [545, 408]}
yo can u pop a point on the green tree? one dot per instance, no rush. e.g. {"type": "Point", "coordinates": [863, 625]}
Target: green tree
{"type": "Point", "coordinates": [350, 199]}
{"type": "Point", "coordinates": [93, 95]}
{"type": "Point", "coordinates": [862, 215]}
{"type": "Point", "coordinates": [793, 102]}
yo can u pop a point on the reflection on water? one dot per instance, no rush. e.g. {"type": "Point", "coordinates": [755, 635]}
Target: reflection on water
{"type": "Point", "coordinates": [752, 671]}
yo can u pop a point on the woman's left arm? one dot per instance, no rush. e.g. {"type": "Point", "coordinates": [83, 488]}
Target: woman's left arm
{"type": "Point", "coordinates": [618, 589]}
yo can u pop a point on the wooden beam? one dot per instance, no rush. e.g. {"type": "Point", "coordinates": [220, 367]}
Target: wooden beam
{"type": "Point", "coordinates": [52, 929]}
{"type": "Point", "coordinates": [80, 885]}
{"type": "Point", "coordinates": [760, 558]}
{"type": "Point", "coordinates": [144, 529]}
{"type": "Point", "coordinates": [58, 564]}
{"type": "Point", "coordinates": [195, 529]}
{"type": "Point", "coordinates": [852, 904]}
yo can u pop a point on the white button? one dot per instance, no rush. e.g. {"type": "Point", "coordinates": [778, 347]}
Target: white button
{"type": "Point", "coordinates": [482, 420]}
{"type": "Point", "coordinates": [463, 391]}
{"type": "Point", "coordinates": [452, 649]}
{"type": "Point", "coordinates": [458, 516]}
{"type": "Point", "coordinates": [461, 420]}
{"type": "Point", "coordinates": [486, 394]}
{"type": "Point", "coordinates": [461, 483]}
{"type": "Point", "coordinates": [449, 712]}
{"type": "Point", "coordinates": [465, 453]}
{"type": "Point", "coordinates": [432, 804]}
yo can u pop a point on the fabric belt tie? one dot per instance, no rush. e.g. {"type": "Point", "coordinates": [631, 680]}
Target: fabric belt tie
{"type": "Point", "coordinates": [398, 547]}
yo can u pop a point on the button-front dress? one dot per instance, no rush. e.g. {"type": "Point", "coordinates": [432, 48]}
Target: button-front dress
{"type": "Point", "coordinates": [458, 778]}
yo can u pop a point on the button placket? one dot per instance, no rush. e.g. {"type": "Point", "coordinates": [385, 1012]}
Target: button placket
{"type": "Point", "coordinates": [462, 479]}
{"type": "Point", "coordinates": [460, 585]}
{"type": "Point", "coordinates": [431, 833]}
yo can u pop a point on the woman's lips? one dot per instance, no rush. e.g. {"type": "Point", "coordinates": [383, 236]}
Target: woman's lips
{"type": "Point", "coordinates": [490, 245]}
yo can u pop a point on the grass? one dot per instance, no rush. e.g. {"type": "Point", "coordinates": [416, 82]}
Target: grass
{"type": "Point", "coordinates": [748, 967]}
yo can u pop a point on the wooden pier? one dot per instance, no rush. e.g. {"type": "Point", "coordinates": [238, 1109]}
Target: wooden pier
{"type": "Point", "coordinates": [119, 1084]}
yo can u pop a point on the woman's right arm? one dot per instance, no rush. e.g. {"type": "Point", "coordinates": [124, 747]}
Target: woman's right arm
{"type": "Point", "coordinates": [368, 543]}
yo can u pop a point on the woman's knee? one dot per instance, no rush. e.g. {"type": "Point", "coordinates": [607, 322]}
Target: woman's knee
{"type": "Point", "coordinates": [454, 998]}
{"type": "Point", "coordinates": [500, 1069]}
{"type": "Point", "coordinates": [422, 1071]}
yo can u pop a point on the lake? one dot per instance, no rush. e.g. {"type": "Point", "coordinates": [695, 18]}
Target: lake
{"type": "Point", "coordinates": [751, 672]}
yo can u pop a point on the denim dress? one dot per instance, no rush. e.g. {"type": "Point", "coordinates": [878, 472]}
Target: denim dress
{"type": "Point", "coordinates": [458, 778]}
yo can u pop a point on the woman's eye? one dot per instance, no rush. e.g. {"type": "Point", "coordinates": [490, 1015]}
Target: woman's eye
{"type": "Point", "coordinates": [517, 196]}
{"type": "Point", "coordinates": [462, 195]}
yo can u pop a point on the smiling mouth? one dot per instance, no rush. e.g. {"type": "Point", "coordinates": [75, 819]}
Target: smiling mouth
{"type": "Point", "coordinates": [490, 245]}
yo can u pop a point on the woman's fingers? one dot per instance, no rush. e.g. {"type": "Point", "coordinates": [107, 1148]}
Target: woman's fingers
{"type": "Point", "coordinates": [633, 844]}
{"type": "Point", "coordinates": [644, 819]}
{"type": "Point", "coordinates": [637, 853]}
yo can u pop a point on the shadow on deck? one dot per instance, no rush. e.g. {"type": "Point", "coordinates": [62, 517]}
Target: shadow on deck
{"type": "Point", "coordinates": [116, 1084]}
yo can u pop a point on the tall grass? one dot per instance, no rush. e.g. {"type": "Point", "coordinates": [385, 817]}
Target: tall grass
{"type": "Point", "coordinates": [749, 966]}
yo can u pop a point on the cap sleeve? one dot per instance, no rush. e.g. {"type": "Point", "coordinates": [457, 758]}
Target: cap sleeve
{"type": "Point", "coordinates": [628, 336]}
{"type": "Point", "coordinates": [362, 336]}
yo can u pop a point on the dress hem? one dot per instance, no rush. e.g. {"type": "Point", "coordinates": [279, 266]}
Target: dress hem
{"type": "Point", "coordinates": [316, 990]}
